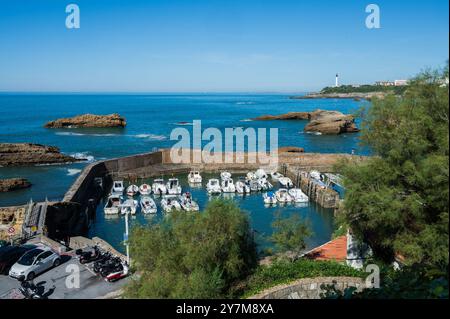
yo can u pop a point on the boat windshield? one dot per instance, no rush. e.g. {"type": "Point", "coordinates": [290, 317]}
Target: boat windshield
{"type": "Point", "coordinates": [117, 184]}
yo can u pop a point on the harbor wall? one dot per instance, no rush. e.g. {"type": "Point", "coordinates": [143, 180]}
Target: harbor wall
{"type": "Point", "coordinates": [309, 288]}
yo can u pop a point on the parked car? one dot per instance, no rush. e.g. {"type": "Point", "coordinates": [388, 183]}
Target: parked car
{"type": "Point", "coordinates": [10, 254]}
{"type": "Point", "coordinates": [34, 262]}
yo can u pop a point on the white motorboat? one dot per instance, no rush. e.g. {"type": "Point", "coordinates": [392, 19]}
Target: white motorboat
{"type": "Point", "coordinates": [145, 189]}
{"type": "Point", "coordinates": [228, 185]}
{"type": "Point", "coordinates": [129, 206]}
{"type": "Point", "coordinates": [194, 177]}
{"type": "Point", "coordinates": [170, 203]}
{"type": "Point", "coordinates": [148, 205]}
{"type": "Point", "coordinates": [225, 175]}
{"type": "Point", "coordinates": [117, 188]}
{"type": "Point", "coordinates": [269, 198]}
{"type": "Point", "coordinates": [213, 186]}
{"type": "Point", "coordinates": [173, 186]}
{"type": "Point", "coordinates": [315, 175]}
{"type": "Point", "coordinates": [188, 204]}
{"type": "Point", "coordinates": [264, 184]}
{"type": "Point", "coordinates": [260, 173]}
{"type": "Point", "coordinates": [132, 190]}
{"type": "Point", "coordinates": [285, 182]}
{"type": "Point", "coordinates": [158, 187]}
{"type": "Point", "coordinates": [242, 187]}
{"type": "Point", "coordinates": [254, 185]}
{"type": "Point", "coordinates": [276, 176]}
{"type": "Point", "coordinates": [112, 205]}
{"type": "Point", "coordinates": [283, 196]}
{"type": "Point", "coordinates": [298, 196]}
{"type": "Point", "coordinates": [251, 175]}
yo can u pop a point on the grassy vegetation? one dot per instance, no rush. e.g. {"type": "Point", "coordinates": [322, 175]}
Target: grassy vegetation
{"type": "Point", "coordinates": [283, 271]}
{"type": "Point", "coordinates": [398, 90]}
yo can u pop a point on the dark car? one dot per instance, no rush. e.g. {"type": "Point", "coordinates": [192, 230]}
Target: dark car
{"type": "Point", "coordinates": [10, 254]}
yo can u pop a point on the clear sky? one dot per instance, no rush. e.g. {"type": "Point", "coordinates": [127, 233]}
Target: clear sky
{"type": "Point", "coordinates": [216, 45]}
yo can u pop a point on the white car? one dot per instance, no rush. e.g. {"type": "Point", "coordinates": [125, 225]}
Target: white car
{"type": "Point", "coordinates": [34, 262]}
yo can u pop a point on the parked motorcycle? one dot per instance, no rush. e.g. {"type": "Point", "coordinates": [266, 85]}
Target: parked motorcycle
{"type": "Point", "coordinates": [115, 265]}
{"type": "Point", "coordinates": [29, 290]}
{"type": "Point", "coordinates": [90, 256]}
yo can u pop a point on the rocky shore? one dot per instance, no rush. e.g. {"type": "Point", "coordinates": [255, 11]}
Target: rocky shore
{"type": "Point", "coordinates": [320, 121]}
{"type": "Point", "coordinates": [355, 96]}
{"type": "Point", "coordinates": [12, 184]}
{"type": "Point", "coordinates": [88, 120]}
{"type": "Point", "coordinates": [27, 154]}
{"type": "Point", "coordinates": [291, 149]}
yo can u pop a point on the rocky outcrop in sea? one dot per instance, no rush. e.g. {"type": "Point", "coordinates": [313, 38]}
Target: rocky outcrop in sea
{"type": "Point", "coordinates": [88, 120]}
{"type": "Point", "coordinates": [12, 184]}
{"type": "Point", "coordinates": [320, 121]}
{"type": "Point", "coordinates": [27, 154]}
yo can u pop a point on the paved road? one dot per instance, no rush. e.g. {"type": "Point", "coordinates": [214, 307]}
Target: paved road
{"type": "Point", "coordinates": [53, 283]}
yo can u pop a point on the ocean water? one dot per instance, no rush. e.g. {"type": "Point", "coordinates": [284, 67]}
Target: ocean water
{"type": "Point", "coordinates": [150, 120]}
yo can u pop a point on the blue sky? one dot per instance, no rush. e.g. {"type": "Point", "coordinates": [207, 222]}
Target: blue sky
{"type": "Point", "coordinates": [215, 46]}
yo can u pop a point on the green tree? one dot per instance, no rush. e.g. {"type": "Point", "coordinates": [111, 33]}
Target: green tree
{"type": "Point", "coordinates": [192, 255]}
{"type": "Point", "coordinates": [397, 200]}
{"type": "Point", "coordinates": [289, 234]}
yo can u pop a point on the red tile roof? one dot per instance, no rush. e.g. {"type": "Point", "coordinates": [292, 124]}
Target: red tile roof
{"type": "Point", "coordinates": [335, 249]}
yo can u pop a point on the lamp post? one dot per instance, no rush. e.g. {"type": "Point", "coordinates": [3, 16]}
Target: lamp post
{"type": "Point", "coordinates": [126, 238]}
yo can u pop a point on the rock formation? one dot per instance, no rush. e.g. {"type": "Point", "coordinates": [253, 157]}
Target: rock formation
{"type": "Point", "coordinates": [88, 120]}
{"type": "Point", "coordinates": [325, 122]}
{"type": "Point", "coordinates": [26, 154]}
{"type": "Point", "coordinates": [12, 184]}
{"type": "Point", "coordinates": [291, 149]}
{"type": "Point", "coordinates": [331, 122]}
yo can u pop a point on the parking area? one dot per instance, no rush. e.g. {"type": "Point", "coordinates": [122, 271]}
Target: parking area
{"type": "Point", "coordinates": [70, 280]}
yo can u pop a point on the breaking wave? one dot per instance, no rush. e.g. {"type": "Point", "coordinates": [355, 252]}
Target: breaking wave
{"type": "Point", "coordinates": [153, 137]}
{"type": "Point", "coordinates": [73, 171]}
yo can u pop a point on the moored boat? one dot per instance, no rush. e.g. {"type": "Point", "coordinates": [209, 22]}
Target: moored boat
{"type": "Point", "coordinates": [213, 186]}
{"type": "Point", "coordinates": [194, 177]}
{"type": "Point", "coordinates": [298, 196]}
{"type": "Point", "coordinates": [242, 187]}
{"type": "Point", "coordinates": [260, 173]}
{"type": "Point", "coordinates": [117, 188]}
{"type": "Point", "coordinates": [283, 196]}
{"type": "Point", "coordinates": [225, 175]}
{"type": "Point", "coordinates": [285, 182]}
{"type": "Point", "coordinates": [129, 206]}
{"type": "Point", "coordinates": [227, 186]}
{"type": "Point", "coordinates": [112, 205]}
{"type": "Point", "coordinates": [169, 204]}
{"type": "Point", "coordinates": [269, 198]}
{"type": "Point", "coordinates": [173, 186]}
{"type": "Point", "coordinates": [276, 176]}
{"type": "Point", "coordinates": [148, 205]}
{"type": "Point", "coordinates": [145, 189]}
{"type": "Point", "coordinates": [132, 190]}
{"type": "Point", "coordinates": [187, 203]}
{"type": "Point", "coordinates": [158, 187]}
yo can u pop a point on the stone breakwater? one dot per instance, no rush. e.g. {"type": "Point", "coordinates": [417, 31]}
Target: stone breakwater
{"type": "Point", "coordinates": [12, 184]}
{"type": "Point", "coordinates": [88, 120]}
{"type": "Point", "coordinates": [27, 154]}
{"type": "Point", "coordinates": [325, 122]}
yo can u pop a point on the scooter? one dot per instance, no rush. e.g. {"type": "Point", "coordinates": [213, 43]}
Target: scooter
{"type": "Point", "coordinates": [29, 290]}
{"type": "Point", "coordinates": [90, 256]}
{"type": "Point", "coordinates": [101, 261]}
{"type": "Point", "coordinates": [114, 276]}
{"type": "Point", "coordinates": [113, 267]}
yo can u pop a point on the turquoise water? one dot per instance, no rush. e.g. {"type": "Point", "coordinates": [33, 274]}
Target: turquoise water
{"type": "Point", "coordinates": [150, 120]}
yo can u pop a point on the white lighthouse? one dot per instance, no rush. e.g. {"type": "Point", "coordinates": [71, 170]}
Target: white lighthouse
{"type": "Point", "coordinates": [337, 80]}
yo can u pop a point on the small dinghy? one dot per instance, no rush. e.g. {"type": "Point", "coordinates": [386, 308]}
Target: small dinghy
{"type": "Point", "coordinates": [225, 175]}
{"type": "Point", "coordinates": [173, 186]}
{"type": "Point", "coordinates": [129, 206]}
{"type": "Point", "coordinates": [213, 186]}
{"type": "Point", "coordinates": [242, 187]}
{"type": "Point", "coordinates": [187, 203]}
{"type": "Point", "coordinates": [298, 196]}
{"type": "Point", "coordinates": [132, 190]}
{"type": "Point", "coordinates": [228, 186]}
{"type": "Point", "coordinates": [286, 182]}
{"type": "Point", "coordinates": [117, 188]}
{"type": "Point", "coordinates": [260, 173]}
{"type": "Point", "coordinates": [148, 205]}
{"type": "Point", "coordinates": [158, 187]}
{"type": "Point", "coordinates": [145, 189]}
{"type": "Point", "coordinates": [283, 196]}
{"type": "Point", "coordinates": [270, 198]}
{"type": "Point", "coordinates": [276, 176]}
{"type": "Point", "coordinates": [170, 204]}
{"type": "Point", "coordinates": [194, 177]}
{"type": "Point", "coordinates": [112, 205]}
